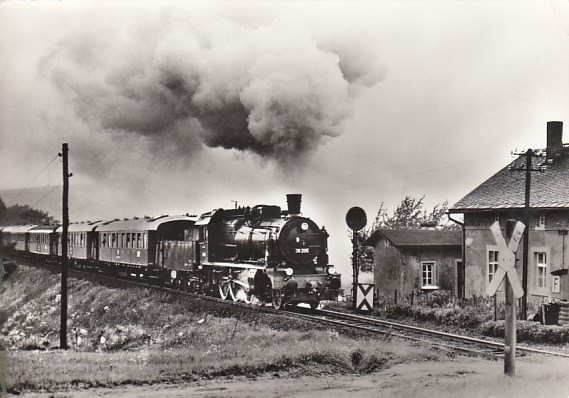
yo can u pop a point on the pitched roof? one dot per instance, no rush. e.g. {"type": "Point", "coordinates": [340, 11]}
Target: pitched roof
{"type": "Point", "coordinates": [506, 188]}
{"type": "Point", "coordinates": [416, 237]}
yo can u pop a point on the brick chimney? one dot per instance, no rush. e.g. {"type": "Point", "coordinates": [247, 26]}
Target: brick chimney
{"type": "Point", "coordinates": [554, 139]}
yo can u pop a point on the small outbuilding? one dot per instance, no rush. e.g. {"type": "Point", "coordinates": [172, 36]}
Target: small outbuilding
{"type": "Point", "coordinates": [408, 261]}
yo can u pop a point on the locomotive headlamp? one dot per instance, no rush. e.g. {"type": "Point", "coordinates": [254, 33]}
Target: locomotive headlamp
{"type": "Point", "coordinates": [331, 270]}
{"type": "Point", "coordinates": [304, 226]}
{"type": "Point", "coordinates": [289, 271]}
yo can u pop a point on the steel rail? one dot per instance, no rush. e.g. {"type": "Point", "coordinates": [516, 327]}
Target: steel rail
{"type": "Point", "coordinates": [390, 333]}
{"type": "Point", "coordinates": [456, 337]}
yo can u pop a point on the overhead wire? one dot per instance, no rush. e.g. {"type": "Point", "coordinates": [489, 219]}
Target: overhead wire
{"type": "Point", "coordinates": [31, 182]}
{"type": "Point", "coordinates": [46, 195]}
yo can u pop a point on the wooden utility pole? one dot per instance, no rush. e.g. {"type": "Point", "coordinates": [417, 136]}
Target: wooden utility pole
{"type": "Point", "coordinates": [528, 170]}
{"type": "Point", "coordinates": [528, 167]}
{"type": "Point", "coordinates": [64, 242]}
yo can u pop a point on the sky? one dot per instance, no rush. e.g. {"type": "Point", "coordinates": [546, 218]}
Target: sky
{"type": "Point", "coordinates": [183, 107]}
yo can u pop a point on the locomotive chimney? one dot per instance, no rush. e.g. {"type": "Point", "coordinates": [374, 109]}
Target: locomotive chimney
{"type": "Point", "coordinates": [554, 139]}
{"type": "Point", "coordinates": [293, 202]}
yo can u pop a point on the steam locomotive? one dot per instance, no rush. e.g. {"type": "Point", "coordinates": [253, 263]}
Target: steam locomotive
{"type": "Point", "coordinates": [261, 254]}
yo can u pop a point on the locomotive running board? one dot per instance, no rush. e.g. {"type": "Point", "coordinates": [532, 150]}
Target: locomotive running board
{"type": "Point", "coordinates": [234, 265]}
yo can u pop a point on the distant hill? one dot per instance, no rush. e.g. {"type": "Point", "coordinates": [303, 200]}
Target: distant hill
{"type": "Point", "coordinates": [46, 198]}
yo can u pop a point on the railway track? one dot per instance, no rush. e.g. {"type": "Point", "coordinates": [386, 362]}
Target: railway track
{"type": "Point", "coordinates": [388, 329]}
{"type": "Point", "coordinates": [453, 342]}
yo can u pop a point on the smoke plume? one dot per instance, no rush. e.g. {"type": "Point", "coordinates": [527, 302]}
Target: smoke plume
{"type": "Point", "coordinates": [266, 85]}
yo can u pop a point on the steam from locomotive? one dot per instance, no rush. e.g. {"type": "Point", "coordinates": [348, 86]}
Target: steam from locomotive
{"type": "Point", "coordinates": [268, 86]}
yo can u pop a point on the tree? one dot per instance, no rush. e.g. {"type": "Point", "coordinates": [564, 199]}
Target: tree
{"type": "Point", "coordinates": [410, 214]}
{"type": "Point", "coordinates": [24, 214]}
{"type": "Point", "coordinates": [2, 208]}
{"type": "Point", "coordinates": [38, 217]}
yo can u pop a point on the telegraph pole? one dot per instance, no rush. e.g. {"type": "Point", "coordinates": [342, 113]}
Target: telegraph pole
{"type": "Point", "coordinates": [529, 154]}
{"type": "Point", "coordinates": [64, 242]}
{"type": "Point", "coordinates": [528, 168]}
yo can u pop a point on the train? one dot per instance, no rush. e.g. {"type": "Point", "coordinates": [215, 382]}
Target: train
{"type": "Point", "coordinates": [260, 254]}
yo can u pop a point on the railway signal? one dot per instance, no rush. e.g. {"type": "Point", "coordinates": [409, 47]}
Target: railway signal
{"type": "Point", "coordinates": [507, 271]}
{"type": "Point", "coordinates": [507, 260]}
{"type": "Point", "coordinates": [356, 219]}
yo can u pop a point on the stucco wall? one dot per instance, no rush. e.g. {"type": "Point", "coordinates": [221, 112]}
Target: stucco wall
{"type": "Point", "coordinates": [401, 269]}
{"type": "Point", "coordinates": [549, 240]}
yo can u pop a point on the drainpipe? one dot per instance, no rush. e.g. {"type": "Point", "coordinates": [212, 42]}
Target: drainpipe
{"type": "Point", "coordinates": [463, 248]}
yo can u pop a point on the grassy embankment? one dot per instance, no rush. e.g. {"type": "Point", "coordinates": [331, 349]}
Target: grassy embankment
{"type": "Point", "coordinates": [136, 335]}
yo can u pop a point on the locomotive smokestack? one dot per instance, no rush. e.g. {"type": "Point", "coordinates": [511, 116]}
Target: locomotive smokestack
{"type": "Point", "coordinates": [293, 201]}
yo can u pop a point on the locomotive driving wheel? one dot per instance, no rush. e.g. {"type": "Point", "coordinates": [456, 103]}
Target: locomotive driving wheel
{"type": "Point", "coordinates": [248, 299]}
{"type": "Point", "coordinates": [233, 291]}
{"type": "Point", "coordinates": [224, 289]}
{"type": "Point", "coordinates": [238, 293]}
{"type": "Point", "coordinates": [277, 299]}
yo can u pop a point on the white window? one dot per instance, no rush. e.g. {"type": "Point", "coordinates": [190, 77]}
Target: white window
{"type": "Point", "coordinates": [541, 263]}
{"type": "Point", "coordinates": [492, 264]}
{"type": "Point", "coordinates": [428, 273]}
{"type": "Point", "coordinates": [556, 288]}
{"type": "Point", "coordinates": [540, 224]}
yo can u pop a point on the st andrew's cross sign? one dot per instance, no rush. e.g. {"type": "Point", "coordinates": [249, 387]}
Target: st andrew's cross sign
{"type": "Point", "coordinates": [507, 260]}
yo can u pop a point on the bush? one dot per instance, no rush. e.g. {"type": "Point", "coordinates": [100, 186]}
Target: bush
{"type": "Point", "coordinates": [468, 317]}
{"type": "Point", "coordinates": [529, 331]}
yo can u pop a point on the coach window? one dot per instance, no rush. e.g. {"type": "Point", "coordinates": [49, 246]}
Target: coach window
{"type": "Point", "coordinates": [103, 240]}
{"type": "Point", "coordinates": [144, 242]}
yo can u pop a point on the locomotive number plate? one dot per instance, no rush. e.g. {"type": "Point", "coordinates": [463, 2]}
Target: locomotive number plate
{"type": "Point", "coordinates": [302, 250]}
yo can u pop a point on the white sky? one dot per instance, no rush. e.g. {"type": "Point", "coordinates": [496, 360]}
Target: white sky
{"type": "Point", "coordinates": [434, 96]}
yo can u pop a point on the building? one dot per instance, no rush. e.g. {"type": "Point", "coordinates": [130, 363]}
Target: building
{"type": "Point", "coordinates": [408, 261]}
{"type": "Point", "coordinates": [502, 197]}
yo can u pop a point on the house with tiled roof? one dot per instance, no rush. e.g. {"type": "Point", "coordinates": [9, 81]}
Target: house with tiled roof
{"type": "Point", "coordinates": [503, 197]}
{"type": "Point", "coordinates": [411, 261]}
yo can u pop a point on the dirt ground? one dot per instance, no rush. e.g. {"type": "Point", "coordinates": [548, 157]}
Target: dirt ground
{"type": "Point", "coordinates": [462, 377]}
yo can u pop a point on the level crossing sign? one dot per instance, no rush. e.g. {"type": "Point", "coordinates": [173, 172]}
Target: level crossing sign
{"type": "Point", "coordinates": [507, 260]}
{"type": "Point", "coordinates": [364, 298]}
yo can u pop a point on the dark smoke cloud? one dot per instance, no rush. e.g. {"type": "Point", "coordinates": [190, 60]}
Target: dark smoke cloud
{"type": "Point", "coordinates": [268, 87]}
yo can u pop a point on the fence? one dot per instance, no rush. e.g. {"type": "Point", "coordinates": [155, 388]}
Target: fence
{"type": "Point", "coordinates": [445, 299]}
